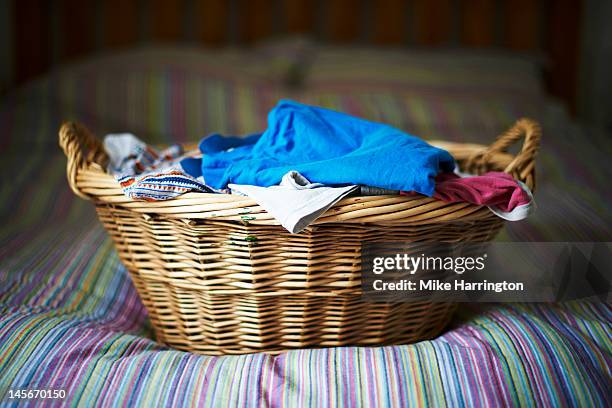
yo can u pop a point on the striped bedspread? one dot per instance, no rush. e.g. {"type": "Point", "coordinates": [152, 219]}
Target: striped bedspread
{"type": "Point", "coordinates": [70, 318]}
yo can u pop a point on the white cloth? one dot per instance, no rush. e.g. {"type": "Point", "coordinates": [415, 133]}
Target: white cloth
{"type": "Point", "coordinates": [122, 148]}
{"type": "Point", "coordinates": [296, 202]}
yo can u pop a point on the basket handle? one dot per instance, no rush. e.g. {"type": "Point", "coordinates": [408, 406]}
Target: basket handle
{"type": "Point", "coordinates": [82, 149]}
{"type": "Point", "coordinates": [522, 165]}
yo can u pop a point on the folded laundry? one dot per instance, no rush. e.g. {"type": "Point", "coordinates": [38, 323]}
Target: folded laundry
{"type": "Point", "coordinates": [145, 173]}
{"type": "Point", "coordinates": [296, 202]}
{"type": "Point", "coordinates": [330, 147]}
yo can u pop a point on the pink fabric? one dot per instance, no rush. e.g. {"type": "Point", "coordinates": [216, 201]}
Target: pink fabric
{"type": "Point", "coordinates": [495, 189]}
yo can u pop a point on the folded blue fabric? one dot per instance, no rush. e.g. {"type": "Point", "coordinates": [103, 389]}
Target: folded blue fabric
{"type": "Point", "coordinates": [326, 147]}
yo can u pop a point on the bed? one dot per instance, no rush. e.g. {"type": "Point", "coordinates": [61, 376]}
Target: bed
{"type": "Point", "coordinates": [70, 317]}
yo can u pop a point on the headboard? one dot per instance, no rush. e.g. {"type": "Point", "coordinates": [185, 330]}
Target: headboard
{"type": "Point", "coordinates": [51, 32]}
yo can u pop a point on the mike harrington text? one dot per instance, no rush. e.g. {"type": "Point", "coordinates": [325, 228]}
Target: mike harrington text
{"type": "Point", "coordinates": [437, 285]}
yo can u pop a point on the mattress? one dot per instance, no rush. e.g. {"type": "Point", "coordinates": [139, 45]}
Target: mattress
{"type": "Point", "coordinates": [70, 317]}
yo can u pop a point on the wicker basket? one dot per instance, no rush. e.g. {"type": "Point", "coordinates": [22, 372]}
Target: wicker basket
{"type": "Point", "coordinates": [218, 275]}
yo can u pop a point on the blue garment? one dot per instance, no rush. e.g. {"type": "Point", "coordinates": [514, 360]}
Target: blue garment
{"type": "Point", "coordinates": [326, 147]}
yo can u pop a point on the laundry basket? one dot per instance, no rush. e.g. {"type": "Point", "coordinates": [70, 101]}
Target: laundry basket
{"type": "Point", "coordinates": [219, 275]}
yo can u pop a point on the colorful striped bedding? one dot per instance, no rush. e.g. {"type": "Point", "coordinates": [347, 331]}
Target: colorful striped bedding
{"type": "Point", "coordinates": [70, 318]}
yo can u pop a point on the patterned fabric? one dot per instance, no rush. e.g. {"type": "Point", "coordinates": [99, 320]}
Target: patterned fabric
{"type": "Point", "coordinates": [146, 173]}
{"type": "Point", "coordinates": [70, 317]}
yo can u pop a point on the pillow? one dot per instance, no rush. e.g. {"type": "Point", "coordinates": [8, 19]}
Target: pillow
{"type": "Point", "coordinates": [450, 69]}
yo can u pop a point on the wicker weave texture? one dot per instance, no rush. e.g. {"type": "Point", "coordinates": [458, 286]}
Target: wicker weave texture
{"type": "Point", "coordinates": [218, 275]}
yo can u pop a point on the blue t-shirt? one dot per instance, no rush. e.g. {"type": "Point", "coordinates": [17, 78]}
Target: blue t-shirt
{"type": "Point", "coordinates": [325, 146]}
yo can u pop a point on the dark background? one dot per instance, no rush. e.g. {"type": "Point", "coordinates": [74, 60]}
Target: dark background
{"type": "Point", "coordinates": [572, 37]}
